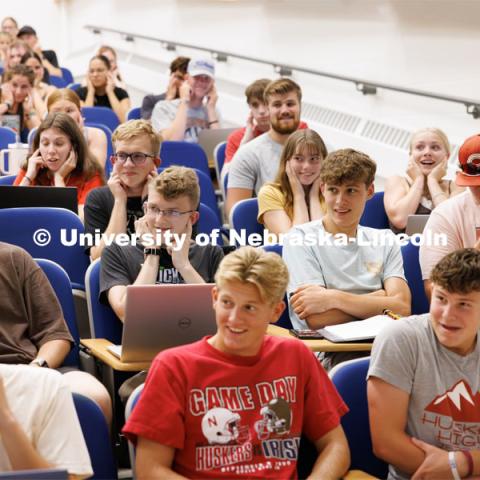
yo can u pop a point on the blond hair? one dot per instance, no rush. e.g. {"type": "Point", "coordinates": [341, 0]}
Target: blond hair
{"type": "Point", "coordinates": [265, 270]}
{"type": "Point", "coordinates": [135, 128]}
{"type": "Point", "coordinates": [442, 136]}
{"type": "Point", "coordinates": [63, 94]}
{"type": "Point", "coordinates": [177, 181]}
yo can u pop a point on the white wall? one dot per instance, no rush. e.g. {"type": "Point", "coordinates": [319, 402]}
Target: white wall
{"type": "Point", "coordinates": [423, 44]}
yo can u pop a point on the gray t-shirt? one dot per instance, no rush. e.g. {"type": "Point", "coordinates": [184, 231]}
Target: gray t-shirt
{"type": "Point", "coordinates": [255, 163]}
{"type": "Point", "coordinates": [121, 265]}
{"type": "Point", "coordinates": [444, 405]}
{"type": "Point", "coordinates": [164, 114]}
{"type": "Point", "coordinates": [358, 267]}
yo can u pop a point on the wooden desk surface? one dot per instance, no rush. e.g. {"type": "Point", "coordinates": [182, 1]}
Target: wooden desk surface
{"type": "Point", "coordinates": [98, 348]}
{"type": "Point", "coordinates": [322, 345]}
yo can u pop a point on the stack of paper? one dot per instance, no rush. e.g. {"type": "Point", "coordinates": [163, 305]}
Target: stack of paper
{"type": "Point", "coordinates": [357, 330]}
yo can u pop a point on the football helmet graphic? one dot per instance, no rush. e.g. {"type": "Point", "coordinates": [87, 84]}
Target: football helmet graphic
{"type": "Point", "coordinates": [221, 426]}
{"type": "Point", "coordinates": [277, 419]}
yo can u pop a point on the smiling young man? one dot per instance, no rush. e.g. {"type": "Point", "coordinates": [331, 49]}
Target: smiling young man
{"type": "Point", "coordinates": [169, 210]}
{"type": "Point", "coordinates": [182, 119]}
{"type": "Point", "coordinates": [235, 404]}
{"type": "Point", "coordinates": [257, 162]}
{"type": "Point", "coordinates": [351, 272]}
{"type": "Point", "coordinates": [113, 209]}
{"type": "Point", "coordinates": [424, 380]}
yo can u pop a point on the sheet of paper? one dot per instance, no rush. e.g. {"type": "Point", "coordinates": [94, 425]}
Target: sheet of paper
{"type": "Point", "coordinates": [358, 329]}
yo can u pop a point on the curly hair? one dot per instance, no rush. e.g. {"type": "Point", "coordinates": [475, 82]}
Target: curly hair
{"type": "Point", "coordinates": [459, 271]}
{"type": "Point", "coordinates": [347, 165]}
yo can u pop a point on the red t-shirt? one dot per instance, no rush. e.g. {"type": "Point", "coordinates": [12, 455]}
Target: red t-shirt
{"type": "Point", "coordinates": [83, 187]}
{"type": "Point", "coordinates": [234, 139]}
{"type": "Point", "coordinates": [236, 417]}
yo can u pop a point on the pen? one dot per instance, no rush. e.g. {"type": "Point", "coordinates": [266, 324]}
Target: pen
{"type": "Point", "coordinates": [390, 314]}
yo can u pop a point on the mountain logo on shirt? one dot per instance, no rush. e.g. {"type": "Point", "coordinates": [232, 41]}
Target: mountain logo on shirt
{"type": "Point", "coordinates": [458, 402]}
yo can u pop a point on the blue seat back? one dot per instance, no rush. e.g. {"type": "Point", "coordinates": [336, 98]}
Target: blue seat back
{"type": "Point", "coordinates": [208, 221]}
{"type": "Point", "coordinates": [7, 179]}
{"type": "Point", "coordinates": [97, 437]}
{"type": "Point", "coordinates": [243, 217]}
{"type": "Point", "coordinates": [67, 75]}
{"type": "Point", "coordinates": [108, 133]}
{"type": "Point", "coordinates": [58, 82]}
{"type": "Point", "coordinates": [413, 274]}
{"type": "Point", "coordinates": [7, 135]}
{"type": "Point", "coordinates": [129, 407]}
{"type": "Point", "coordinates": [74, 86]}
{"type": "Point", "coordinates": [60, 282]}
{"type": "Point", "coordinates": [350, 380]}
{"type": "Point", "coordinates": [284, 320]}
{"type": "Point", "coordinates": [103, 321]}
{"type": "Point", "coordinates": [219, 157]}
{"type": "Point", "coordinates": [103, 115]}
{"type": "Point", "coordinates": [134, 113]}
{"type": "Point", "coordinates": [185, 154]}
{"type": "Point", "coordinates": [18, 226]}
{"type": "Point", "coordinates": [374, 215]}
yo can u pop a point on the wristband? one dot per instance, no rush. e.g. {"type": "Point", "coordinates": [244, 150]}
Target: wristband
{"type": "Point", "coordinates": [41, 362]}
{"type": "Point", "coordinates": [453, 465]}
{"type": "Point", "coordinates": [469, 458]}
{"type": "Point", "coordinates": [152, 251]}
{"type": "Point", "coordinates": [28, 178]}
{"type": "Point", "coordinates": [212, 122]}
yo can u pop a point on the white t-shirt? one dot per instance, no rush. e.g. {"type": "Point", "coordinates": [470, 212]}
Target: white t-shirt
{"type": "Point", "coordinates": [43, 405]}
{"type": "Point", "coordinates": [457, 218]}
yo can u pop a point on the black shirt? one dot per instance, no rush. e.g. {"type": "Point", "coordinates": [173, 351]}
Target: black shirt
{"type": "Point", "coordinates": [102, 100]}
{"type": "Point", "coordinates": [99, 206]}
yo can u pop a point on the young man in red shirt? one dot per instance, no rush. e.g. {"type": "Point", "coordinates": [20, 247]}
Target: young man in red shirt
{"type": "Point", "coordinates": [236, 404]}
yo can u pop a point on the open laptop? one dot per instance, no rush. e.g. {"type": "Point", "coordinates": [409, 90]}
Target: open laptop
{"type": "Point", "coordinates": [416, 224]}
{"type": "Point", "coordinates": [208, 139]}
{"type": "Point", "coordinates": [60, 197]}
{"type": "Point", "coordinates": [163, 316]}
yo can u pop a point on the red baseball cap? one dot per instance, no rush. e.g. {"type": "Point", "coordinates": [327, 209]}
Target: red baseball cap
{"type": "Point", "coordinates": [469, 162]}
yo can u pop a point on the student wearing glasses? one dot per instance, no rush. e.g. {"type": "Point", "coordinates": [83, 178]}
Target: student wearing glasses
{"type": "Point", "coordinates": [171, 208]}
{"type": "Point", "coordinates": [459, 217]}
{"type": "Point", "coordinates": [113, 209]}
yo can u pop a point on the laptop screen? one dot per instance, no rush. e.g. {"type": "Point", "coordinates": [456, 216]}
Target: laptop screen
{"type": "Point", "coordinates": [59, 197]}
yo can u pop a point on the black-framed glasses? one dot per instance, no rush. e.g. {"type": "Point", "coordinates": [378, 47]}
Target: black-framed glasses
{"type": "Point", "coordinates": [471, 168]}
{"type": "Point", "coordinates": [154, 211]}
{"type": "Point", "coordinates": [138, 158]}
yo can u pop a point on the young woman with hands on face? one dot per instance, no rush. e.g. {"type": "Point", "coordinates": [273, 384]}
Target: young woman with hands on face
{"type": "Point", "coordinates": [294, 197]}
{"type": "Point", "coordinates": [101, 90]}
{"type": "Point", "coordinates": [423, 187]}
{"type": "Point", "coordinates": [20, 98]}
{"type": "Point", "coordinates": [64, 100]}
{"type": "Point", "coordinates": [61, 158]}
